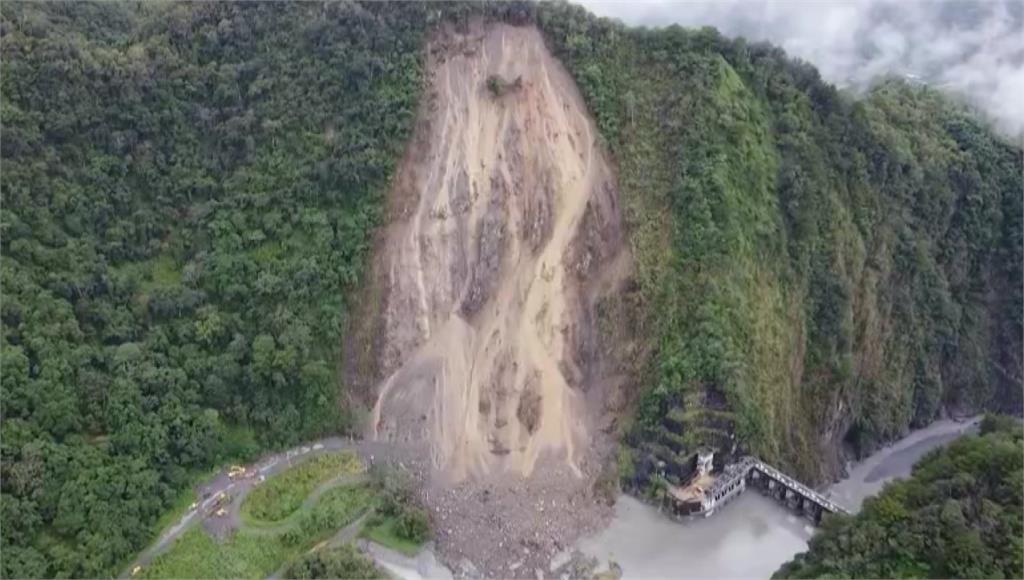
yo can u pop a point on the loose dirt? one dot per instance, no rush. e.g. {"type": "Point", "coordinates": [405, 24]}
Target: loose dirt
{"type": "Point", "coordinates": [509, 236]}
{"type": "Point", "coordinates": [491, 285]}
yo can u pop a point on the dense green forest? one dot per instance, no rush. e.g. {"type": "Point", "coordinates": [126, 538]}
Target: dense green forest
{"type": "Point", "coordinates": [959, 515]}
{"type": "Point", "coordinates": [189, 191]}
{"type": "Point", "coordinates": [814, 270]}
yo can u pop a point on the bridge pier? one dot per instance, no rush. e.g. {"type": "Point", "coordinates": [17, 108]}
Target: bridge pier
{"type": "Point", "coordinates": [773, 483]}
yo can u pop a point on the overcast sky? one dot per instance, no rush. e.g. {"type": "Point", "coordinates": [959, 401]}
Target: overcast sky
{"type": "Point", "coordinates": [975, 48]}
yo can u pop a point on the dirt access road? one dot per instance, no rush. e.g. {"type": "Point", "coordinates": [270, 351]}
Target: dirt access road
{"type": "Point", "coordinates": [209, 493]}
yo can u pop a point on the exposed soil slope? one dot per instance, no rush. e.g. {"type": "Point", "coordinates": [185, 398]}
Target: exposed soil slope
{"type": "Point", "coordinates": [505, 235]}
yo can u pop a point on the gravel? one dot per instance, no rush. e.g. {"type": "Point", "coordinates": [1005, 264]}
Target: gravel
{"type": "Point", "coordinates": [508, 526]}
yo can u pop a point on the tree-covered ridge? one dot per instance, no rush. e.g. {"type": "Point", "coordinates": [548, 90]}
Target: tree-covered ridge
{"type": "Point", "coordinates": [188, 190]}
{"type": "Point", "coordinates": [959, 515]}
{"type": "Point", "coordinates": [811, 267]}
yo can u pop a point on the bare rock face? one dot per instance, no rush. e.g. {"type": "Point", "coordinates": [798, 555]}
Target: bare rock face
{"type": "Point", "coordinates": [508, 237]}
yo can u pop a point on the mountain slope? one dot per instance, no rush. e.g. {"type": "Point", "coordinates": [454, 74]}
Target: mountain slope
{"type": "Point", "coordinates": [815, 270]}
{"type": "Point", "coordinates": [190, 192]}
{"type": "Point", "coordinates": [507, 236]}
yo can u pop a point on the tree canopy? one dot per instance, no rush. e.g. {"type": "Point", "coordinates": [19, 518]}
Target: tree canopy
{"type": "Point", "coordinates": [188, 193]}
{"type": "Point", "coordinates": [959, 515]}
{"type": "Point", "coordinates": [814, 270]}
{"type": "Point", "coordinates": [339, 562]}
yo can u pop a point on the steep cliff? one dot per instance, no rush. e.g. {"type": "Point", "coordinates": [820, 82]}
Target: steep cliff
{"type": "Point", "coordinates": [819, 272]}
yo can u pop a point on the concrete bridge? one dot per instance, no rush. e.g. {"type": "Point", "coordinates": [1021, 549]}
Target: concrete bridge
{"type": "Point", "coordinates": [750, 471]}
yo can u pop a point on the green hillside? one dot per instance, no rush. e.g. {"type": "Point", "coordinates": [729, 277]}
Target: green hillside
{"type": "Point", "coordinates": [812, 268]}
{"type": "Point", "coordinates": [189, 192]}
{"type": "Point", "coordinates": [959, 515]}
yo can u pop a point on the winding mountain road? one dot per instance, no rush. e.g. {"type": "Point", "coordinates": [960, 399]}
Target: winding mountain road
{"type": "Point", "coordinates": [209, 493]}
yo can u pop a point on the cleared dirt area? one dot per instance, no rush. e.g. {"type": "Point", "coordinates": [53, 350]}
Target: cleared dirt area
{"type": "Point", "coordinates": [505, 236]}
{"type": "Point", "coordinates": [494, 320]}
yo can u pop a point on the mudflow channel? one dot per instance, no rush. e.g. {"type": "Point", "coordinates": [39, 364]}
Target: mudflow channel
{"type": "Point", "coordinates": [505, 234]}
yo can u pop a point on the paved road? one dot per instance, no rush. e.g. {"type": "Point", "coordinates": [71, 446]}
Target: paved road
{"type": "Point", "coordinates": [868, 477]}
{"type": "Point", "coordinates": [210, 492]}
{"type": "Point", "coordinates": [221, 526]}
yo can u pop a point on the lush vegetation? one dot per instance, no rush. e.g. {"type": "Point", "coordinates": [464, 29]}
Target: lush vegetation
{"type": "Point", "coordinates": [188, 191]}
{"type": "Point", "coordinates": [397, 522]}
{"type": "Point", "coordinates": [198, 555]}
{"type": "Point", "coordinates": [257, 553]}
{"type": "Point", "coordinates": [385, 531]}
{"type": "Point", "coordinates": [278, 531]}
{"type": "Point", "coordinates": [812, 269]}
{"type": "Point", "coordinates": [281, 495]}
{"type": "Point", "coordinates": [960, 515]}
{"type": "Point", "coordinates": [337, 507]}
{"type": "Point", "coordinates": [342, 562]}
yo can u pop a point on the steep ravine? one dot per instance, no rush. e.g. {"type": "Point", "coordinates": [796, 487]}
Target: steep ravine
{"type": "Point", "coordinates": [505, 235]}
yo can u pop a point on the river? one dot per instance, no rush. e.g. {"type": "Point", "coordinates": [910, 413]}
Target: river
{"type": "Point", "coordinates": [753, 535]}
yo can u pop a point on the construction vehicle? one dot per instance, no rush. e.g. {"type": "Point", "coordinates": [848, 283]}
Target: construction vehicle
{"type": "Point", "coordinates": [236, 471]}
{"type": "Point", "coordinates": [220, 512]}
{"type": "Point", "coordinates": [221, 499]}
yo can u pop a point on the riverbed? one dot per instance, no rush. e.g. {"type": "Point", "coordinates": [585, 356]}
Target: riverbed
{"type": "Point", "coordinates": [753, 535]}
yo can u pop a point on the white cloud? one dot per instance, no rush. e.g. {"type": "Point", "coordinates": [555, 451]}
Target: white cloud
{"type": "Point", "coordinates": [973, 48]}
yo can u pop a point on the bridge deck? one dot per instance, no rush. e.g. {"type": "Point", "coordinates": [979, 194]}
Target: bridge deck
{"type": "Point", "coordinates": [743, 467]}
{"type": "Point", "coordinates": [799, 488]}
